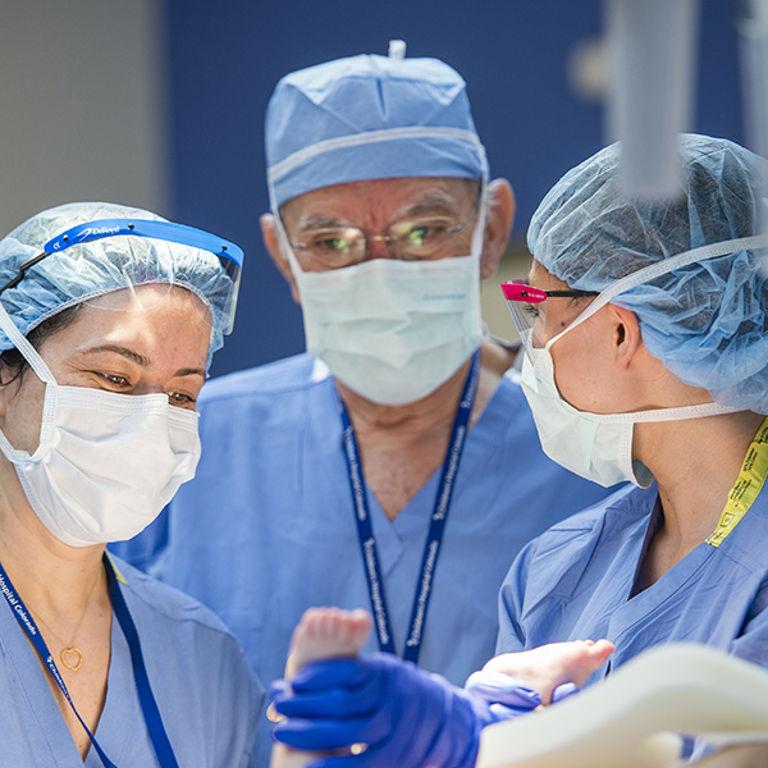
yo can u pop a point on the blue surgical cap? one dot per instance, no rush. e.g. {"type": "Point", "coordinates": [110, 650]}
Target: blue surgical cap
{"type": "Point", "coordinates": [707, 322]}
{"type": "Point", "coordinates": [93, 268]}
{"type": "Point", "coordinates": [369, 117]}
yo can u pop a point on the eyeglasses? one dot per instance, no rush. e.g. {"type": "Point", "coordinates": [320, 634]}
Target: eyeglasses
{"type": "Point", "coordinates": [518, 290]}
{"type": "Point", "coordinates": [417, 239]}
{"type": "Point", "coordinates": [522, 300]}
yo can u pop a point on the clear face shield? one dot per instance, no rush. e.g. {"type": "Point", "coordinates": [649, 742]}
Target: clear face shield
{"type": "Point", "coordinates": [526, 305]}
{"type": "Point", "coordinates": [136, 254]}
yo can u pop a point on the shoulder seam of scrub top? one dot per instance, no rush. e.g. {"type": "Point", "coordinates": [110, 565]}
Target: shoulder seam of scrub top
{"type": "Point", "coordinates": [740, 556]}
{"type": "Point", "coordinates": [593, 514]}
{"type": "Point", "coordinates": [184, 608]}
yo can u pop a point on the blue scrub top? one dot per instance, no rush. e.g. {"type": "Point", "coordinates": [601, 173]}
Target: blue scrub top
{"type": "Point", "coordinates": [205, 691]}
{"type": "Point", "coordinates": [578, 581]}
{"type": "Point", "coordinates": [267, 527]}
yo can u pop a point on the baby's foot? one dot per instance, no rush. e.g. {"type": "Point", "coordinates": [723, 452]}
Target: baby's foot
{"type": "Point", "coordinates": [326, 633]}
{"type": "Point", "coordinates": [322, 633]}
{"type": "Point", "coordinates": [546, 667]}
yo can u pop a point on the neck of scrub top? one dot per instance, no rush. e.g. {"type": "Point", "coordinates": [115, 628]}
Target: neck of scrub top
{"type": "Point", "coordinates": [51, 575]}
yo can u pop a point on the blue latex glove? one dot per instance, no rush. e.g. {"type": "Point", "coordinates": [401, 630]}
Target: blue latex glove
{"type": "Point", "coordinates": [407, 717]}
{"type": "Point", "coordinates": [507, 697]}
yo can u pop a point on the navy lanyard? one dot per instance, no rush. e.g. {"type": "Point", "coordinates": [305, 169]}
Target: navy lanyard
{"type": "Point", "coordinates": [152, 718]}
{"type": "Point", "coordinates": [368, 548]}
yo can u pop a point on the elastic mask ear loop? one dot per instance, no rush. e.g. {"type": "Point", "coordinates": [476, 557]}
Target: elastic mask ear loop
{"type": "Point", "coordinates": [42, 371]}
{"type": "Point", "coordinates": [658, 268]}
{"type": "Point", "coordinates": [21, 343]}
{"type": "Point", "coordinates": [478, 236]}
{"type": "Point", "coordinates": [282, 236]}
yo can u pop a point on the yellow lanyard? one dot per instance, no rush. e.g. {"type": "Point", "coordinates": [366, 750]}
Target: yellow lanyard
{"type": "Point", "coordinates": [748, 485]}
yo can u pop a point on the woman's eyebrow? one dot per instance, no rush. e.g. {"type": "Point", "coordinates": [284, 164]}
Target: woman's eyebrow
{"type": "Point", "coordinates": [131, 354]}
{"type": "Point", "coordinates": [139, 359]}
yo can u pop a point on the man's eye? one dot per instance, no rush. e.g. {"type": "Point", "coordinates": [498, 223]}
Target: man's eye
{"type": "Point", "coordinates": [424, 234]}
{"type": "Point", "coordinates": [531, 309]}
{"type": "Point", "coordinates": [335, 245]}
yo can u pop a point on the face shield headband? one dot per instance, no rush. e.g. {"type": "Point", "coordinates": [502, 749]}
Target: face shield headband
{"type": "Point", "coordinates": [229, 255]}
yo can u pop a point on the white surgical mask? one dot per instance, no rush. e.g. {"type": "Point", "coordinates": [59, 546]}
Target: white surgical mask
{"type": "Point", "coordinates": [596, 446]}
{"type": "Point", "coordinates": [599, 446]}
{"type": "Point", "coordinates": [394, 330]}
{"type": "Point", "coordinates": [391, 330]}
{"type": "Point", "coordinates": [106, 463]}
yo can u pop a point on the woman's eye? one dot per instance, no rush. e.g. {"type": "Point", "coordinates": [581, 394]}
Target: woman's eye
{"type": "Point", "coordinates": [116, 380]}
{"type": "Point", "coordinates": [531, 309]}
{"type": "Point", "coordinates": [179, 398]}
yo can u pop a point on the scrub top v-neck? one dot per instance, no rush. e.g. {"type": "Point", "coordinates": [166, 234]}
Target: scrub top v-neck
{"type": "Point", "coordinates": [209, 709]}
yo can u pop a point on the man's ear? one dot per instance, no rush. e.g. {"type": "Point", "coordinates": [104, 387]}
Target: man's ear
{"type": "Point", "coordinates": [627, 337]}
{"type": "Point", "coordinates": [272, 243]}
{"type": "Point", "coordinates": [498, 225]}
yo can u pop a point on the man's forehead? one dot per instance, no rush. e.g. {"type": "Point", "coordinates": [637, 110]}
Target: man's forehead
{"type": "Point", "coordinates": [412, 196]}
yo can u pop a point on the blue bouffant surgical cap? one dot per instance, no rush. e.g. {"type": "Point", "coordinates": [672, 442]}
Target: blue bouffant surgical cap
{"type": "Point", "coordinates": [707, 321]}
{"type": "Point", "coordinates": [369, 117]}
{"type": "Point", "coordinates": [99, 266]}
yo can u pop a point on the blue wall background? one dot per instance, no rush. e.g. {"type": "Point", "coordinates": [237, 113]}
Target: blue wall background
{"type": "Point", "coordinates": [224, 59]}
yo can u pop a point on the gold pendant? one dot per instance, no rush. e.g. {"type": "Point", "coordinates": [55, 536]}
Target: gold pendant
{"type": "Point", "coordinates": [71, 658]}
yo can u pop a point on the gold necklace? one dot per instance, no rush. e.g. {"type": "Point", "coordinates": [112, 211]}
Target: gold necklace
{"type": "Point", "coordinates": [70, 655]}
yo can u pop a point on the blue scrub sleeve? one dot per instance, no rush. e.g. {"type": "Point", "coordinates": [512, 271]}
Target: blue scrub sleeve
{"type": "Point", "coordinates": [752, 643]}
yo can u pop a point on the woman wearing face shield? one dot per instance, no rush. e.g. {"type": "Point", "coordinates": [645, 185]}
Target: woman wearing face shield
{"type": "Point", "coordinates": [645, 326]}
{"type": "Point", "coordinates": [108, 318]}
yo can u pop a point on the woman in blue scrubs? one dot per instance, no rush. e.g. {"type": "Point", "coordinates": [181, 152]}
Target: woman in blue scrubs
{"type": "Point", "coordinates": [646, 334]}
{"type": "Point", "coordinates": [108, 318]}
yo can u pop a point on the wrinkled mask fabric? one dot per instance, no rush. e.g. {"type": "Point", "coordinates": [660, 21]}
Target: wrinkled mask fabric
{"type": "Point", "coordinates": [595, 446]}
{"type": "Point", "coordinates": [106, 463]}
{"type": "Point", "coordinates": [393, 330]}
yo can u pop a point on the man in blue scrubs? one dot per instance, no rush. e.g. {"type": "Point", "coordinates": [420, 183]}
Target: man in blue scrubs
{"type": "Point", "coordinates": [395, 467]}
